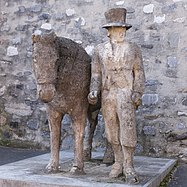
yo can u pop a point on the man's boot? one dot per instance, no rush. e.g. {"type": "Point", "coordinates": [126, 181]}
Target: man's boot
{"type": "Point", "coordinates": [128, 168]}
{"type": "Point", "coordinates": [117, 167]}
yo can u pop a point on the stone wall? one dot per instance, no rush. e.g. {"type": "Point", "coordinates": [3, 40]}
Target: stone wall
{"type": "Point", "coordinates": [159, 28]}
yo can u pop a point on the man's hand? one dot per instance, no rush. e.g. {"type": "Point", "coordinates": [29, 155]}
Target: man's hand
{"type": "Point", "coordinates": [136, 98]}
{"type": "Point", "coordinates": [92, 97]}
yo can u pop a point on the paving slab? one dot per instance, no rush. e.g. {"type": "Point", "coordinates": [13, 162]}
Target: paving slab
{"type": "Point", "coordinates": [31, 172]}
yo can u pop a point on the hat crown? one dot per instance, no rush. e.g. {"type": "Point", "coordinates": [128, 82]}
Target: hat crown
{"type": "Point", "coordinates": [116, 15]}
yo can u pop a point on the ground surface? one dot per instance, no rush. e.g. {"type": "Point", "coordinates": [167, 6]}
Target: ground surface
{"type": "Point", "coordinates": [8, 155]}
{"type": "Point", "coordinates": [179, 178]}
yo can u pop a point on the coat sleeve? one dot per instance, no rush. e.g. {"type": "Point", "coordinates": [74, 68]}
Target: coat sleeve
{"type": "Point", "coordinates": [95, 84]}
{"type": "Point", "coordinates": [139, 75]}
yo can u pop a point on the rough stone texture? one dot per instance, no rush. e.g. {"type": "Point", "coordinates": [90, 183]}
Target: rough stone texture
{"type": "Point", "coordinates": [157, 28]}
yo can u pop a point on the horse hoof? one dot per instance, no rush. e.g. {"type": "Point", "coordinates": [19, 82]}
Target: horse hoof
{"type": "Point", "coordinates": [52, 169]}
{"type": "Point", "coordinates": [76, 171]}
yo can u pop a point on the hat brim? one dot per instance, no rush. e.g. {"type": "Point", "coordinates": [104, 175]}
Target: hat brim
{"type": "Point", "coordinates": [127, 26]}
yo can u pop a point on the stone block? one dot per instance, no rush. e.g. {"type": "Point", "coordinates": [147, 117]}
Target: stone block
{"type": "Point", "coordinates": [46, 26]}
{"type": "Point", "coordinates": [33, 124]}
{"type": "Point", "coordinates": [14, 124]}
{"type": "Point", "coordinates": [35, 9]}
{"type": "Point", "coordinates": [44, 16]}
{"type": "Point", "coordinates": [171, 73]}
{"type": "Point", "coordinates": [173, 39]}
{"type": "Point", "coordinates": [12, 51]}
{"type": "Point", "coordinates": [148, 8]}
{"type": "Point", "coordinates": [119, 3]}
{"type": "Point", "coordinates": [169, 8]}
{"type": "Point", "coordinates": [130, 10]}
{"type": "Point", "coordinates": [60, 16]}
{"type": "Point", "coordinates": [172, 61]}
{"type": "Point", "coordinates": [152, 82]}
{"type": "Point", "coordinates": [21, 10]}
{"type": "Point", "coordinates": [70, 12]}
{"type": "Point", "coordinates": [147, 46]}
{"type": "Point", "coordinates": [159, 19]}
{"type": "Point", "coordinates": [19, 109]}
{"type": "Point", "coordinates": [80, 22]}
{"type": "Point", "coordinates": [184, 101]}
{"type": "Point", "coordinates": [2, 90]}
{"type": "Point", "coordinates": [5, 27]}
{"type": "Point", "coordinates": [149, 130]}
{"type": "Point", "coordinates": [180, 20]}
{"type": "Point", "coordinates": [16, 40]}
{"type": "Point", "coordinates": [22, 27]}
{"type": "Point", "coordinates": [3, 120]}
{"type": "Point", "coordinates": [149, 99]}
{"type": "Point", "coordinates": [180, 126]}
{"type": "Point", "coordinates": [89, 49]}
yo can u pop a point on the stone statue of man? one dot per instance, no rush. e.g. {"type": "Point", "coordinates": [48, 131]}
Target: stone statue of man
{"type": "Point", "coordinates": [118, 74]}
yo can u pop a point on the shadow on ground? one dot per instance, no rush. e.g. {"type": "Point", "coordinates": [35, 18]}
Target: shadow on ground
{"type": "Point", "coordinates": [8, 154]}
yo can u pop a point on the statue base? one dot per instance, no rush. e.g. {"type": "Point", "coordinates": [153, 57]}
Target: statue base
{"type": "Point", "coordinates": [31, 172]}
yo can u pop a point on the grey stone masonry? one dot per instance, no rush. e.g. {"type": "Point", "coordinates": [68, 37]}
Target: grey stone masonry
{"type": "Point", "coordinates": [158, 27]}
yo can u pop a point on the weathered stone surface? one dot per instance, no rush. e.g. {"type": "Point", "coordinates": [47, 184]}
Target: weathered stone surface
{"type": "Point", "coordinates": [119, 3]}
{"type": "Point", "coordinates": [171, 73]}
{"type": "Point", "coordinates": [36, 8]}
{"type": "Point", "coordinates": [89, 49]}
{"type": "Point", "coordinates": [169, 8]}
{"type": "Point", "coordinates": [130, 10]}
{"type": "Point", "coordinates": [18, 109]}
{"type": "Point", "coordinates": [37, 32]}
{"type": "Point", "coordinates": [46, 26]}
{"type": "Point", "coordinates": [180, 20]}
{"type": "Point", "coordinates": [5, 27]}
{"type": "Point", "coordinates": [184, 101]}
{"type": "Point", "coordinates": [182, 113]}
{"type": "Point", "coordinates": [173, 39]}
{"type": "Point", "coordinates": [22, 27]}
{"type": "Point", "coordinates": [172, 61]}
{"type": "Point", "coordinates": [152, 82]}
{"type": "Point", "coordinates": [149, 130]}
{"type": "Point", "coordinates": [44, 16]}
{"type": "Point", "coordinates": [147, 46]}
{"type": "Point", "coordinates": [70, 12]}
{"type": "Point", "coordinates": [80, 22]}
{"type": "Point", "coordinates": [149, 99]}
{"type": "Point", "coordinates": [33, 124]}
{"type": "Point", "coordinates": [148, 8]}
{"type": "Point", "coordinates": [21, 10]}
{"type": "Point", "coordinates": [159, 19]}
{"type": "Point", "coordinates": [14, 124]}
{"type": "Point", "coordinates": [12, 51]}
{"type": "Point", "coordinates": [3, 120]}
{"type": "Point", "coordinates": [180, 126]}
{"type": "Point", "coordinates": [2, 90]}
{"type": "Point", "coordinates": [60, 16]}
{"type": "Point", "coordinates": [16, 41]}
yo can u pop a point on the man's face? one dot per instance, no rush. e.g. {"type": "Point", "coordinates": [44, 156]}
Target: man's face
{"type": "Point", "coordinates": [117, 33]}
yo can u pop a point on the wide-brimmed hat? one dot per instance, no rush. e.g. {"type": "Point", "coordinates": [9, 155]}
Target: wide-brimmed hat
{"type": "Point", "coordinates": [116, 17]}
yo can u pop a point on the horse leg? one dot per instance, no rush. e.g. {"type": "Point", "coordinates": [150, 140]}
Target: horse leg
{"type": "Point", "coordinates": [55, 119]}
{"type": "Point", "coordinates": [79, 122]}
{"type": "Point", "coordinates": [92, 119]}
